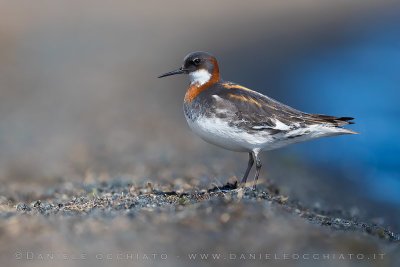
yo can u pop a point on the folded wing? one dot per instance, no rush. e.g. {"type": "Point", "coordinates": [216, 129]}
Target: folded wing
{"type": "Point", "coordinates": [256, 112]}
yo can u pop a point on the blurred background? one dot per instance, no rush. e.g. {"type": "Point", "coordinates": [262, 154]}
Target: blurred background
{"type": "Point", "coordinates": [80, 97]}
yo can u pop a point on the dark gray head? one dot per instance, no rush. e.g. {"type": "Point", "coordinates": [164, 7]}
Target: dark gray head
{"type": "Point", "coordinates": [202, 68]}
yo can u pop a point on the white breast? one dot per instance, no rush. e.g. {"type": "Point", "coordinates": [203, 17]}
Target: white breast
{"type": "Point", "coordinates": [218, 132]}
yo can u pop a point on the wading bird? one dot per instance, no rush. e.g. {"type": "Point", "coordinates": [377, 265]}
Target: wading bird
{"type": "Point", "coordinates": [236, 118]}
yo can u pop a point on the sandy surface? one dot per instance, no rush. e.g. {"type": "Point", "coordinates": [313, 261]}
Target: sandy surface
{"type": "Point", "coordinates": [119, 223]}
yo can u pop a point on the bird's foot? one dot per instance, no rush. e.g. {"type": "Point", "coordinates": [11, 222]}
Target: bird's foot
{"type": "Point", "coordinates": [247, 186]}
{"type": "Point", "coordinates": [227, 187]}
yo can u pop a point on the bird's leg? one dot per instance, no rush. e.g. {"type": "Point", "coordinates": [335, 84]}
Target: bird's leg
{"type": "Point", "coordinates": [258, 168]}
{"type": "Point", "coordinates": [250, 164]}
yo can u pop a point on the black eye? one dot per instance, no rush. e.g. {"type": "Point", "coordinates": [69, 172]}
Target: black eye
{"type": "Point", "coordinates": [196, 61]}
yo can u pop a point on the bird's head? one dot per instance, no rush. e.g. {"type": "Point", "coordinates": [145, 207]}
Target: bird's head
{"type": "Point", "coordinates": [202, 68]}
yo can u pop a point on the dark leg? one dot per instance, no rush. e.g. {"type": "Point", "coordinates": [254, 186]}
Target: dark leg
{"type": "Point", "coordinates": [250, 164]}
{"type": "Point", "coordinates": [258, 168]}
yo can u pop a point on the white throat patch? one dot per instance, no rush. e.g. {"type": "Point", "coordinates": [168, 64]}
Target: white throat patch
{"type": "Point", "coordinates": [199, 77]}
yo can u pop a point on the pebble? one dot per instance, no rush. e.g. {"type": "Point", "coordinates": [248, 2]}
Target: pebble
{"type": "Point", "coordinates": [23, 207]}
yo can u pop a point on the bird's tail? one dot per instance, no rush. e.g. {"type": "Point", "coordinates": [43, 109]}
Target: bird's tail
{"type": "Point", "coordinates": [337, 122]}
{"type": "Point", "coordinates": [347, 121]}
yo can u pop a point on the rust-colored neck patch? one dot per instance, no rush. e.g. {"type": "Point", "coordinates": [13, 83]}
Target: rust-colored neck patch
{"type": "Point", "coordinates": [194, 89]}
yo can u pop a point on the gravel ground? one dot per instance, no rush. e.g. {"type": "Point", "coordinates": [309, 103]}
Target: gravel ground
{"type": "Point", "coordinates": [118, 223]}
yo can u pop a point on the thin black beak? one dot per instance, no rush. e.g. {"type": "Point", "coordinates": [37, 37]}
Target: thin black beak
{"type": "Point", "coordinates": [177, 71]}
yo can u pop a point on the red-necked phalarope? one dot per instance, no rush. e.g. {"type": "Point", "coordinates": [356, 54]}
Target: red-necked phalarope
{"type": "Point", "coordinates": [239, 119]}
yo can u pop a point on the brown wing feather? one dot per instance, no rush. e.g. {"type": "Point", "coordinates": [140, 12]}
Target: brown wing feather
{"type": "Point", "coordinates": [254, 110]}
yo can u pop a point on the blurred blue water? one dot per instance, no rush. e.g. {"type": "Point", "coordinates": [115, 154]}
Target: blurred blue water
{"type": "Point", "coordinates": [360, 78]}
